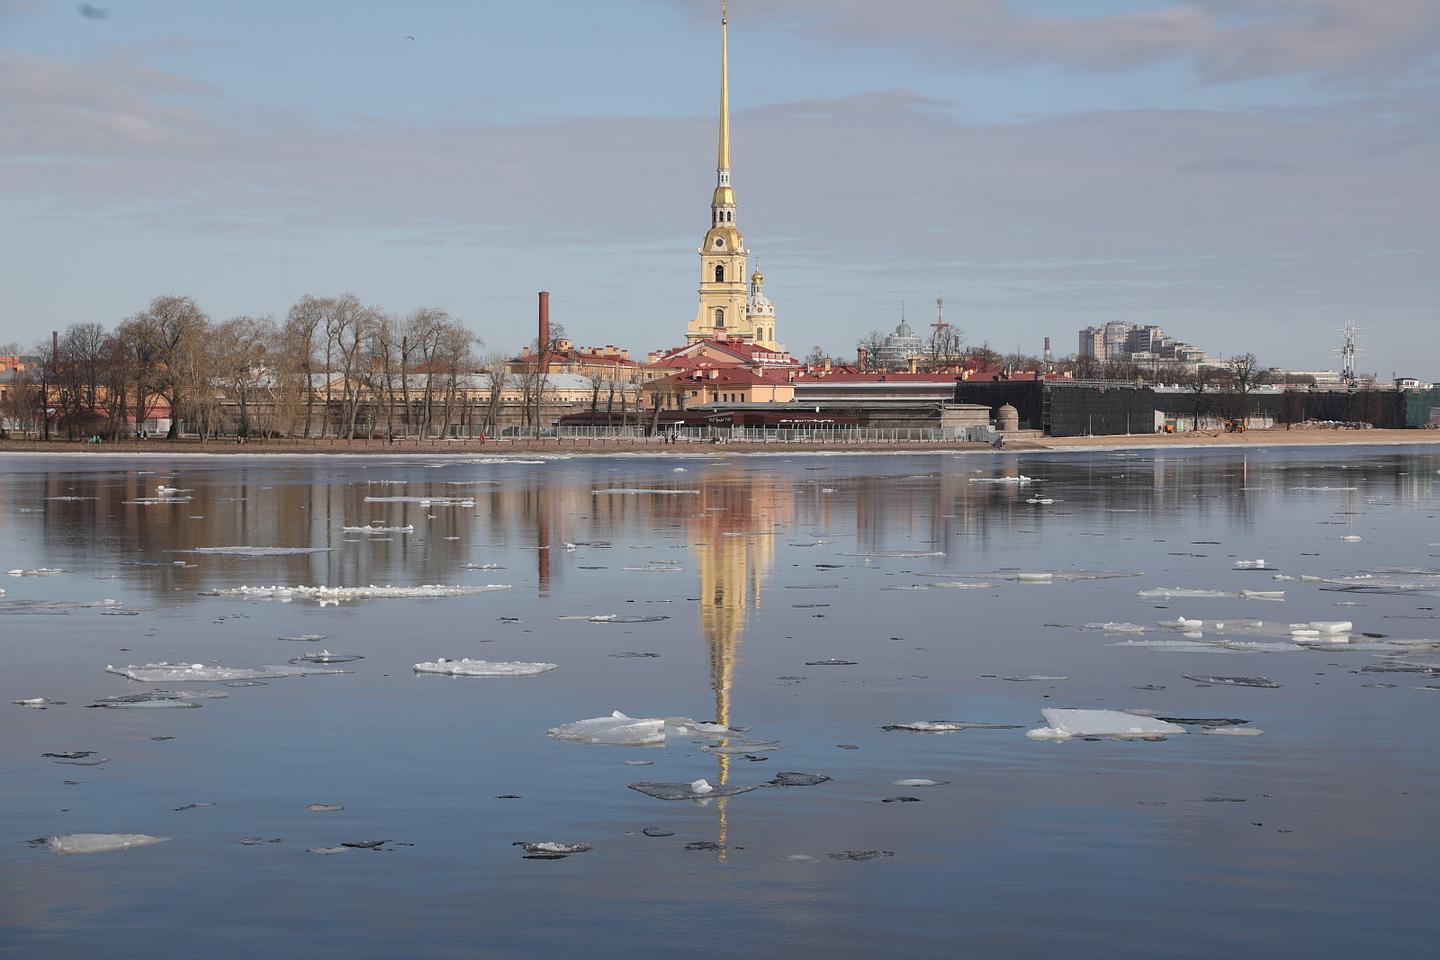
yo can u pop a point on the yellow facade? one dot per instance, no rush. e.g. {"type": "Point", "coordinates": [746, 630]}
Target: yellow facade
{"type": "Point", "coordinates": [729, 310]}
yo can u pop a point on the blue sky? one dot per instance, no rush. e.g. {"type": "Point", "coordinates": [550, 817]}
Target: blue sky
{"type": "Point", "coordinates": [1246, 173]}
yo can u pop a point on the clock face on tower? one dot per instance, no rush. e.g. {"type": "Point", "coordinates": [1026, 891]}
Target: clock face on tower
{"type": "Point", "coordinates": [719, 241]}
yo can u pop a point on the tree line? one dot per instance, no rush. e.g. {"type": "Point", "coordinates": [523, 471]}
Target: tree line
{"type": "Point", "coordinates": [364, 368]}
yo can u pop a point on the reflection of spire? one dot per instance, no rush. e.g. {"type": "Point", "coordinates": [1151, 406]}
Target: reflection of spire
{"type": "Point", "coordinates": [732, 571]}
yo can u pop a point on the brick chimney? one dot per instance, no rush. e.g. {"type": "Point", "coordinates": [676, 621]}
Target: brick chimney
{"type": "Point", "coordinates": [861, 355]}
{"type": "Point", "coordinates": [543, 333]}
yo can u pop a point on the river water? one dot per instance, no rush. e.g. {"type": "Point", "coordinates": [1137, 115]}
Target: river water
{"type": "Point", "coordinates": [1317, 839]}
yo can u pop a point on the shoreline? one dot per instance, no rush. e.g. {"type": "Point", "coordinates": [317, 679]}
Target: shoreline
{"type": "Point", "coordinates": [1260, 439]}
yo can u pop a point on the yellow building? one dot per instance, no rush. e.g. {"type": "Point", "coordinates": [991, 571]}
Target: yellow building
{"type": "Point", "coordinates": [728, 310]}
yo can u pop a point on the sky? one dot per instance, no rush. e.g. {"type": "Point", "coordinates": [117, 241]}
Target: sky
{"type": "Point", "coordinates": [1248, 174]}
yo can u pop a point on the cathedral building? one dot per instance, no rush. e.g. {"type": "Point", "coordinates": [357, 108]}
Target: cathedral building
{"type": "Point", "coordinates": [729, 309]}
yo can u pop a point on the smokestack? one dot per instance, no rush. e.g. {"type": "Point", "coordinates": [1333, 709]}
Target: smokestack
{"type": "Point", "coordinates": [861, 354]}
{"type": "Point", "coordinates": [543, 341]}
{"type": "Point", "coordinates": [1047, 346]}
{"type": "Point", "coordinates": [54, 345]}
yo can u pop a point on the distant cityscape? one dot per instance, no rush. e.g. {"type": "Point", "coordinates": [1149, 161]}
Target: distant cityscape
{"type": "Point", "coordinates": [335, 367]}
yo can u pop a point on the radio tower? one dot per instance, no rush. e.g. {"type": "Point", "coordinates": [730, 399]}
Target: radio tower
{"type": "Point", "coordinates": [1348, 351]}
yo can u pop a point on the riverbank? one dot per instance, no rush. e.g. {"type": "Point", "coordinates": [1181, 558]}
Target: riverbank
{"type": "Point", "coordinates": [591, 446]}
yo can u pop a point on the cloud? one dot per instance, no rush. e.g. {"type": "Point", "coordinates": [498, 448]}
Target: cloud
{"type": "Point", "coordinates": [1143, 213]}
{"type": "Point", "coordinates": [1225, 40]}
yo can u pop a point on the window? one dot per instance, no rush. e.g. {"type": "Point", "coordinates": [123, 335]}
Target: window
{"type": "Point", "coordinates": [719, 316]}
{"type": "Point", "coordinates": [719, 273]}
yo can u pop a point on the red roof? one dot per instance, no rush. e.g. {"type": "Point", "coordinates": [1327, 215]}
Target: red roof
{"type": "Point", "coordinates": [728, 377]}
{"type": "Point", "coordinates": [851, 376]}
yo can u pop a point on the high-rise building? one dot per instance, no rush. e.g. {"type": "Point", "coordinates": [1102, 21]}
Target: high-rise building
{"type": "Point", "coordinates": [728, 310]}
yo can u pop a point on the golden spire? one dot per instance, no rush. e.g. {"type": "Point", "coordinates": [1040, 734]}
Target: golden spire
{"type": "Point", "coordinates": [724, 161]}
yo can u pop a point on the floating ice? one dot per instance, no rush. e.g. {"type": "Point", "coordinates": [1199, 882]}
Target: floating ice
{"type": "Point", "coordinates": [1263, 594]}
{"type": "Point", "coordinates": [305, 637]}
{"type": "Point", "coordinates": [1064, 724]}
{"type": "Point", "coordinates": [38, 703]}
{"type": "Point", "coordinates": [615, 730]}
{"type": "Point", "coordinates": [1021, 479]}
{"type": "Point", "coordinates": [330, 596]}
{"type": "Point", "coordinates": [145, 701]}
{"type": "Point", "coordinates": [790, 778]}
{"type": "Point", "coordinates": [1033, 677]}
{"type": "Point", "coordinates": [1180, 623]}
{"type": "Point", "coordinates": [948, 726]}
{"type": "Point", "coordinates": [257, 551]}
{"type": "Point", "coordinates": [861, 855]}
{"type": "Point", "coordinates": [1251, 565]}
{"type": "Point", "coordinates": [156, 501]}
{"type": "Point", "coordinates": [40, 572]}
{"type": "Point", "coordinates": [204, 673]}
{"type": "Point", "coordinates": [832, 662]}
{"type": "Point", "coordinates": [68, 843]}
{"type": "Point", "coordinates": [325, 656]}
{"type": "Point", "coordinates": [325, 808]}
{"type": "Point", "coordinates": [551, 849]}
{"type": "Point", "coordinates": [483, 668]}
{"type": "Point", "coordinates": [638, 491]}
{"type": "Point", "coordinates": [426, 501]}
{"type": "Point", "coordinates": [1261, 682]}
{"type": "Point", "coordinates": [1350, 538]}
{"type": "Point", "coordinates": [408, 528]}
{"type": "Point", "coordinates": [920, 782]}
{"type": "Point", "coordinates": [1232, 731]}
{"type": "Point", "coordinates": [686, 791]}
{"type": "Point", "coordinates": [1176, 593]}
{"type": "Point", "coordinates": [1113, 627]}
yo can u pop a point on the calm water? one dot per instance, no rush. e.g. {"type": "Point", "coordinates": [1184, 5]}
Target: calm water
{"type": "Point", "coordinates": [1079, 849]}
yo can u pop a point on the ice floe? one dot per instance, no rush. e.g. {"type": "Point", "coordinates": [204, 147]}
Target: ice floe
{"type": "Point", "coordinates": [74, 843]}
{"type": "Point", "coordinates": [947, 726]}
{"type": "Point", "coordinates": [426, 501]}
{"type": "Point", "coordinates": [330, 596]}
{"type": "Point", "coordinates": [374, 528]}
{"type": "Point", "coordinates": [1064, 724]}
{"type": "Point", "coordinates": [620, 730]}
{"type": "Point", "coordinates": [483, 668]}
{"type": "Point", "coordinates": [257, 551]}
{"type": "Point", "coordinates": [207, 673]}
{"type": "Point", "coordinates": [696, 790]}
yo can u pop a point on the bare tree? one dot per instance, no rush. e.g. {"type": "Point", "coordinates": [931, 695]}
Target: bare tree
{"type": "Point", "coordinates": [872, 343]}
{"type": "Point", "coordinates": [944, 346]}
{"type": "Point", "coordinates": [300, 338]}
{"type": "Point", "coordinates": [497, 380]}
{"type": "Point", "coordinates": [1244, 375]}
{"type": "Point", "coordinates": [1199, 384]}
{"type": "Point", "coordinates": [242, 349]}
{"type": "Point", "coordinates": [816, 356]}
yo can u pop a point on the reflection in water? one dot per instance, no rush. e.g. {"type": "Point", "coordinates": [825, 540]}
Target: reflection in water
{"type": "Point", "coordinates": [732, 536]}
{"type": "Point", "coordinates": [1340, 781]}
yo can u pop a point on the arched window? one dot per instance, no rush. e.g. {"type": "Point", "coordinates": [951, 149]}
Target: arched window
{"type": "Point", "coordinates": [719, 316]}
{"type": "Point", "coordinates": [719, 273]}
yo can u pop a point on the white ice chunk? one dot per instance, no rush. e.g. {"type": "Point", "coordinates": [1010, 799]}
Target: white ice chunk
{"type": "Point", "coordinates": [39, 572]}
{"type": "Point", "coordinates": [1250, 565]}
{"type": "Point", "coordinates": [701, 786]}
{"type": "Point", "coordinates": [426, 501]}
{"type": "Point", "coordinates": [408, 528]}
{"type": "Point", "coordinates": [1180, 623]}
{"type": "Point", "coordinates": [258, 551]}
{"type": "Point", "coordinates": [1177, 593]}
{"type": "Point", "coordinates": [1350, 538]}
{"type": "Point", "coordinates": [615, 730]}
{"type": "Point", "coordinates": [919, 782]}
{"type": "Point", "coordinates": [1100, 723]}
{"type": "Point", "coordinates": [1332, 626]}
{"type": "Point", "coordinates": [208, 673]}
{"type": "Point", "coordinates": [67, 843]}
{"type": "Point", "coordinates": [1263, 594]}
{"type": "Point", "coordinates": [483, 668]}
{"type": "Point", "coordinates": [1232, 731]}
{"type": "Point", "coordinates": [329, 596]}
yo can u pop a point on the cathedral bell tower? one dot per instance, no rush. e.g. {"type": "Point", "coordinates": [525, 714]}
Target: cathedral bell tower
{"type": "Point", "coordinates": [725, 312]}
